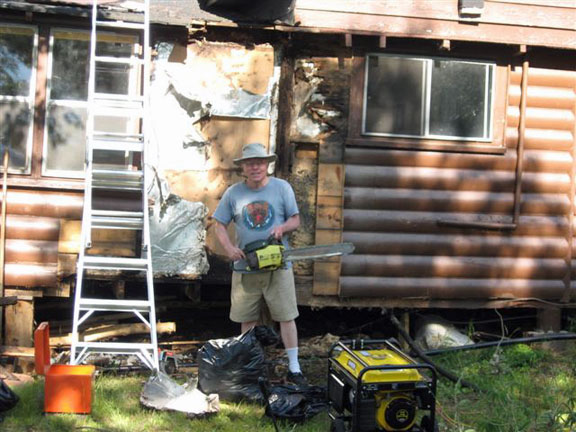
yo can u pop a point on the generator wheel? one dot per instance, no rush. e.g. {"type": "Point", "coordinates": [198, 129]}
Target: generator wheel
{"type": "Point", "coordinates": [338, 425]}
{"type": "Point", "coordinates": [427, 426]}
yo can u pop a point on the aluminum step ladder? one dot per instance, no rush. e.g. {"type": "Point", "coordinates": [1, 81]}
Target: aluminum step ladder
{"type": "Point", "coordinates": [115, 162]}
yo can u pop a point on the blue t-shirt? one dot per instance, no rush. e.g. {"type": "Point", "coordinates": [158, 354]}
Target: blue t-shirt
{"type": "Point", "coordinates": [256, 211]}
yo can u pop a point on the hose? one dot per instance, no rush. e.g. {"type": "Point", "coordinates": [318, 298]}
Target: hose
{"type": "Point", "coordinates": [527, 340]}
{"type": "Point", "coordinates": [441, 370]}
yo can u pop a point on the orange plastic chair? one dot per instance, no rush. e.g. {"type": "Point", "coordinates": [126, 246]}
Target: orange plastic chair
{"type": "Point", "coordinates": [67, 388]}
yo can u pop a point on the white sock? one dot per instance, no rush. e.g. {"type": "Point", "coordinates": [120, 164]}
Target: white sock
{"type": "Point", "coordinates": [293, 363]}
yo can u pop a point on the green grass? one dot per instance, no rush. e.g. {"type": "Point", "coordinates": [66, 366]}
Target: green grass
{"type": "Point", "coordinates": [116, 408]}
{"type": "Point", "coordinates": [524, 389]}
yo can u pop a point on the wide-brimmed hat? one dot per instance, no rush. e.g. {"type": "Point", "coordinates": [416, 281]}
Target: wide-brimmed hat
{"type": "Point", "coordinates": [255, 151]}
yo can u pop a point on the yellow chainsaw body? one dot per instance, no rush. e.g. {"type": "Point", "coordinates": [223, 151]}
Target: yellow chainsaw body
{"type": "Point", "coordinates": [269, 257]}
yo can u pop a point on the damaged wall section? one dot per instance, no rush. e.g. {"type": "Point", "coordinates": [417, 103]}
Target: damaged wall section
{"type": "Point", "coordinates": [318, 131]}
{"type": "Point", "coordinates": [204, 109]}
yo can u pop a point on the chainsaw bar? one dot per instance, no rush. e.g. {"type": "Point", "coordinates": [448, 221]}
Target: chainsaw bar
{"type": "Point", "coordinates": [318, 251]}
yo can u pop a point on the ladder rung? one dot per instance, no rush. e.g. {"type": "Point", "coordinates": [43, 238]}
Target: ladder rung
{"type": "Point", "coordinates": [117, 135]}
{"type": "Point", "coordinates": [117, 145]}
{"type": "Point", "coordinates": [119, 60]}
{"type": "Point", "coordinates": [117, 179]}
{"type": "Point", "coordinates": [114, 263]}
{"type": "Point", "coordinates": [121, 24]}
{"type": "Point", "coordinates": [115, 305]}
{"type": "Point", "coordinates": [115, 347]}
{"type": "Point", "coordinates": [117, 220]}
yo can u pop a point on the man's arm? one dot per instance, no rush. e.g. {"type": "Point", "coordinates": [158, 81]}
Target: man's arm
{"type": "Point", "coordinates": [232, 252]}
{"type": "Point", "coordinates": [292, 223]}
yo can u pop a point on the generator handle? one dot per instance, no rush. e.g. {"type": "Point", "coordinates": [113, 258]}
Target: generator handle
{"type": "Point", "coordinates": [343, 344]}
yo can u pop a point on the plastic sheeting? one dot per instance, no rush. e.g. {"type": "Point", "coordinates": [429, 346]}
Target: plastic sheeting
{"type": "Point", "coordinates": [435, 333]}
{"type": "Point", "coordinates": [161, 392]}
{"type": "Point", "coordinates": [8, 399]}
{"type": "Point", "coordinates": [232, 367]}
{"type": "Point", "coordinates": [296, 404]}
{"type": "Point", "coordinates": [177, 234]}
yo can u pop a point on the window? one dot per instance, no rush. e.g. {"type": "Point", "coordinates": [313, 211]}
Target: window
{"type": "Point", "coordinates": [432, 102]}
{"type": "Point", "coordinates": [67, 96]}
{"type": "Point", "coordinates": [18, 48]}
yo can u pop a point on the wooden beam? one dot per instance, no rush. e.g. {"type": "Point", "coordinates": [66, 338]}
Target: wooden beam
{"type": "Point", "coordinates": [348, 40]}
{"type": "Point", "coordinates": [23, 294]}
{"type": "Point", "coordinates": [112, 331]}
{"type": "Point", "coordinates": [16, 351]}
{"type": "Point", "coordinates": [285, 102]}
{"type": "Point", "coordinates": [417, 27]}
{"type": "Point", "coordinates": [19, 319]}
{"type": "Point", "coordinates": [119, 289]}
{"type": "Point", "coordinates": [382, 41]}
{"type": "Point", "coordinates": [538, 15]}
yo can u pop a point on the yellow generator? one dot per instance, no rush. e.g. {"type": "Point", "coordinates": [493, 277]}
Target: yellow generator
{"type": "Point", "coordinates": [373, 386]}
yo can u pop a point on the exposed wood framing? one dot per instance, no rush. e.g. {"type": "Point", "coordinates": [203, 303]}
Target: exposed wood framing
{"type": "Point", "coordinates": [285, 106]}
{"type": "Point", "coordinates": [348, 40]}
{"type": "Point", "coordinates": [500, 23]}
{"type": "Point", "coordinates": [21, 319]}
{"type": "Point", "coordinates": [16, 351]}
{"type": "Point", "coordinates": [329, 225]}
{"type": "Point", "coordinates": [114, 330]}
{"type": "Point", "coordinates": [382, 41]}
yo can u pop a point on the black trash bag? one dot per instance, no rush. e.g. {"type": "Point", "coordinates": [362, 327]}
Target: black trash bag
{"type": "Point", "coordinates": [231, 367]}
{"type": "Point", "coordinates": [8, 399]}
{"type": "Point", "coordinates": [296, 403]}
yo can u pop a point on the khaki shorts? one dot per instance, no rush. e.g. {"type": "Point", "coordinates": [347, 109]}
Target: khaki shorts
{"type": "Point", "coordinates": [276, 288]}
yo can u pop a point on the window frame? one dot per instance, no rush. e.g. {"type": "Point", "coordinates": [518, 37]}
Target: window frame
{"type": "Point", "coordinates": [29, 100]}
{"type": "Point", "coordinates": [133, 84]}
{"type": "Point", "coordinates": [493, 145]}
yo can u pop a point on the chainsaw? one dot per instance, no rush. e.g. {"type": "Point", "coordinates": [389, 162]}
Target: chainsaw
{"type": "Point", "coordinates": [270, 254]}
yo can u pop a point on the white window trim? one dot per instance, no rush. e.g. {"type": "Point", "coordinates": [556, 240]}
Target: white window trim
{"type": "Point", "coordinates": [427, 79]}
{"type": "Point", "coordinates": [132, 85]}
{"type": "Point", "coordinates": [29, 100]}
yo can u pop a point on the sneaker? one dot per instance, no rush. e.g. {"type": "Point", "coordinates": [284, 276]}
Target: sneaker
{"type": "Point", "coordinates": [297, 379]}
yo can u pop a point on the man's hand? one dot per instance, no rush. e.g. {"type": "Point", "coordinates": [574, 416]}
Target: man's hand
{"type": "Point", "coordinates": [235, 253]}
{"type": "Point", "coordinates": [277, 232]}
{"type": "Point", "coordinates": [291, 224]}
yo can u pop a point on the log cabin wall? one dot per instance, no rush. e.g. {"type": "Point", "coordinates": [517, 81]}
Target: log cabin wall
{"type": "Point", "coordinates": [441, 228]}
{"type": "Point", "coordinates": [397, 203]}
{"type": "Point", "coordinates": [400, 206]}
{"type": "Point", "coordinates": [33, 266]}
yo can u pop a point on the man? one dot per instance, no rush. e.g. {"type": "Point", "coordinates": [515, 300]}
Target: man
{"type": "Point", "coordinates": [261, 207]}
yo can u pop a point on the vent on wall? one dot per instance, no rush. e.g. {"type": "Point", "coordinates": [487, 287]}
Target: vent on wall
{"type": "Point", "coordinates": [470, 9]}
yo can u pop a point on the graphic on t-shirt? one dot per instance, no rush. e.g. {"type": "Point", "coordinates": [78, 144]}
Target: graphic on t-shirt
{"type": "Point", "coordinates": [258, 215]}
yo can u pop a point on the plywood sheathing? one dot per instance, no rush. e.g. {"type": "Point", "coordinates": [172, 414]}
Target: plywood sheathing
{"type": "Point", "coordinates": [105, 242]}
{"type": "Point", "coordinates": [231, 65]}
